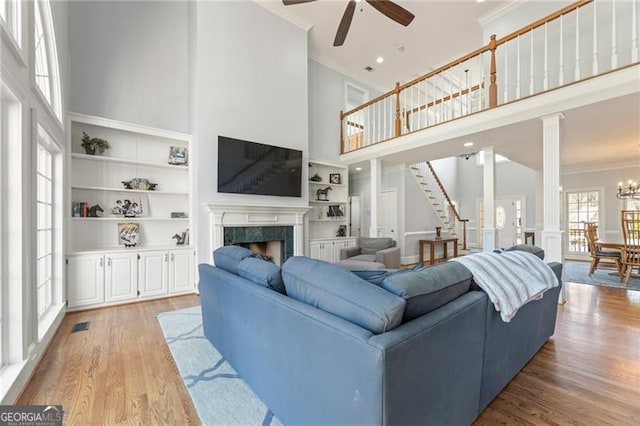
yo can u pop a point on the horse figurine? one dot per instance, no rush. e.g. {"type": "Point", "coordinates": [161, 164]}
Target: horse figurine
{"type": "Point", "coordinates": [324, 193]}
{"type": "Point", "coordinates": [93, 210]}
{"type": "Point", "coordinates": [180, 239]}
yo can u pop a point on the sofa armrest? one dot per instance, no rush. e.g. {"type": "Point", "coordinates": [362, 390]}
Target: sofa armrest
{"type": "Point", "coordinates": [433, 364]}
{"type": "Point", "coordinates": [389, 257]}
{"type": "Point", "coordinates": [348, 252]}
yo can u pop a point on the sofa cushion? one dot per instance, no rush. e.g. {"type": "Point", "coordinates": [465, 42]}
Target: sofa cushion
{"type": "Point", "coordinates": [529, 249]}
{"type": "Point", "coordinates": [266, 274]}
{"type": "Point", "coordinates": [429, 288]}
{"type": "Point", "coordinates": [364, 258]}
{"type": "Point", "coordinates": [341, 293]}
{"type": "Point", "coordinates": [374, 244]}
{"type": "Point", "coordinates": [228, 257]}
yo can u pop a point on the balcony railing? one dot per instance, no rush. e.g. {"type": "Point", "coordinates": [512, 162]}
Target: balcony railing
{"type": "Point", "coordinates": [585, 39]}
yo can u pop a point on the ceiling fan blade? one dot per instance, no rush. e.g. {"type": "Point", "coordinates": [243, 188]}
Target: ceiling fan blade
{"type": "Point", "coordinates": [345, 23]}
{"type": "Point", "coordinates": [393, 11]}
{"type": "Point", "coordinates": [292, 2]}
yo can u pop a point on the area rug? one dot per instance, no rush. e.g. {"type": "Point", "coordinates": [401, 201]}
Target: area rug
{"type": "Point", "coordinates": [220, 396]}
{"type": "Point", "coordinates": [578, 272]}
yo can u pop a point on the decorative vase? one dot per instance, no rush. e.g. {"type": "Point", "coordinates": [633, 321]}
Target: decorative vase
{"type": "Point", "coordinates": [91, 150]}
{"type": "Point", "coordinates": [438, 233]}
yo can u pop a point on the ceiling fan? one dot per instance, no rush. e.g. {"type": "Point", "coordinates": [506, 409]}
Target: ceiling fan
{"type": "Point", "coordinates": [386, 7]}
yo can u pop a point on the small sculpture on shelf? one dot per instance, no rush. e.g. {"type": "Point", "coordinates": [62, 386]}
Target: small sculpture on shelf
{"type": "Point", "coordinates": [182, 238]}
{"type": "Point", "coordinates": [93, 146]}
{"type": "Point", "coordinates": [315, 178]}
{"type": "Point", "coordinates": [139, 183]}
{"type": "Point", "coordinates": [93, 211]}
{"type": "Point", "coordinates": [322, 194]}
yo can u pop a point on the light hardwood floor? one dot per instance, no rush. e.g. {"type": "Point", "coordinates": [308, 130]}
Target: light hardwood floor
{"type": "Point", "coordinates": [121, 371]}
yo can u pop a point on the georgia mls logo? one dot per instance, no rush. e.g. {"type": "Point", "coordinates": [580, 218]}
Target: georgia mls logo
{"type": "Point", "coordinates": [31, 415]}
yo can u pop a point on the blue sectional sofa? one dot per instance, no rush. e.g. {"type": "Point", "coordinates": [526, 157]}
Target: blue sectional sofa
{"type": "Point", "coordinates": [320, 345]}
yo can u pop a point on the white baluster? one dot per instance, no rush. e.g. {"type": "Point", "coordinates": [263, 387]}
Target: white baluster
{"type": "Point", "coordinates": [413, 121]}
{"type": "Point", "coordinates": [442, 110]}
{"type": "Point", "coordinates": [518, 67]}
{"type": "Point", "coordinates": [561, 66]}
{"type": "Point", "coordinates": [531, 82]}
{"type": "Point", "coordinates": [506, 73]}
{"type": "Point", "coordinates": [595, 40]}
{"type": "Point", "coordinates": [481, 97]}
{"type": "Point", "coordinates": [379, 120]}
{"type": "Point", "coordinates": [577, 70]}
{"type": "Point", "coordinates": [545, 80]}
{"type": "Point", "coordinates": [614, 48]}
{"type": "Point", "coordinates": [451, 109]}
{"type": "Point", "coordinates": [634, 32]}
{"type": "Point", "coordinates": [369, 129]}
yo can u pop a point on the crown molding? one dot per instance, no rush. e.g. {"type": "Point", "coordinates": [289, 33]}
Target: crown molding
{"type": "Point", "coordinates": [499, 12]}
{"type": "Point", "coordinates": [274, 7]}
{"type": "Point", "coordinates": [579, 169]}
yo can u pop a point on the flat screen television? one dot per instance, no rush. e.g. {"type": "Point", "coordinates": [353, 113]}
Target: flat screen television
{"type": "Point", "coordinates": [253, 168]}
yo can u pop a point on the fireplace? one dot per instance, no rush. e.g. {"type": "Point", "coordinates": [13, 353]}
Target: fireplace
{"type": "Point", "coordinates": [272, 241]}
{"type": "Point", "coordinates": [245, 224]}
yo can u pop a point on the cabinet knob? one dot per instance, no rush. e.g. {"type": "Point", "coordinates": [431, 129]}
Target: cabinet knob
{"type": "Point", "coordinates": [173, 256]}
{"type": "Point", "coordinates": [109, 261]}
{"type": "Point", "coordinates": [166, 257]}
{"type": "Point", "coordinates": [101, 262]}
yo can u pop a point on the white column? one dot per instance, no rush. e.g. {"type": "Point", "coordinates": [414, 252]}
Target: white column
{"type": "Point", "coordinates": [217, 232]}
{"type": "Point", "coordinates": [489, 200]}
{"type": "Point", "coordinates": [298, 235]}
{"type": "Point", "coordinates": [539, 213]}
{"type": "Point", "coordinates": [551, 234]}
{"type": "Point", "coordinates": [376, 178]}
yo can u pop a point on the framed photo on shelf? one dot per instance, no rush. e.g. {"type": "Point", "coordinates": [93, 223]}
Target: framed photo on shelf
{"type": "Point", "coordinates": [335, 178]}
{"type": "Point", "coordinates": [130, 206]}
{"type": "Point", "coordinates": [178, 155]}
{"type": "Point", "coordinates": [128, 234]}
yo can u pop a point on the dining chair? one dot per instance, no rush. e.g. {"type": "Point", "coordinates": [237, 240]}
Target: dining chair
{"type": "Point", "coordinates": [597, 253]}
{"type": "Point", "coordinates": [631, 248]}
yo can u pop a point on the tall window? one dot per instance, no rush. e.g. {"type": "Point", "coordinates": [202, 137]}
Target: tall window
{"type": "Point", "coordinates": [44, 229]}
{"type": "Point", "coordinates": [46, 63]}
{"type": "Point", "coordinates": [582, 206]}
{"type": "Point", "coordinates": [11, 14]}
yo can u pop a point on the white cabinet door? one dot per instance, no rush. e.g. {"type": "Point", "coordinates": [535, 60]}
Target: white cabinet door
{"type": "Point", "coordinates": [153, 274]}
{"type": "Point", "coordinates": [121, 277]}
{"type": "Point", "coordinates": [341, 244]}
{"type": "Point", "coordinates": [181, 271]}
{"type": "Point", "coordinates": [322, 250]}
{"type": "Point", "coordinates": [85, 280]}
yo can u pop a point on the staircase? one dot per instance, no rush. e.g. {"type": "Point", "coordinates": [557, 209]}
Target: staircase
{"type": "Point", "coordinates": [439, 200]}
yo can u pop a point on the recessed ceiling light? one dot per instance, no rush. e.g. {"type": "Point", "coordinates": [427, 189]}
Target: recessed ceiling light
{"type": "Point", "coordinates": [379, 59]}
{"type": "Point", "coordinates": [467, 144]}
{"type": "Point", "coordinates": [358, 169]}
{"type": "Point", "coordinates": [480, 1]}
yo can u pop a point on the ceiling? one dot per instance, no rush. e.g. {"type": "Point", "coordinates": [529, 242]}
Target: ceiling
{"type": "Point", "coordinates": [372, 34]}
{"type": "Point", "coordinates": [601, 134]}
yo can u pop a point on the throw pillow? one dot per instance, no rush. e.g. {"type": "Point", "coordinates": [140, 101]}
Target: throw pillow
{"type": "Point", "coordinates": [429, 288]}
{"type": "Point", "coordinates": [261, 272]}
{"type": "Point", "coordinates": [228, 257]}
{"type": "Point", "coordinates": [341, 293]}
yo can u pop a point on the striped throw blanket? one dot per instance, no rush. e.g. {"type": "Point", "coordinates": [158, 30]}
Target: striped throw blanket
{"type": "Point", "coordinates": [510, 279]}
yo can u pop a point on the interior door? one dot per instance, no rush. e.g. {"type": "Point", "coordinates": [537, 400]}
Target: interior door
{"type": "Point", "coordinates": [389, 214]}
{"type": "Point", "coordinates": [506, 222]}
{"type": "Point", "coordinates": [354, 215]}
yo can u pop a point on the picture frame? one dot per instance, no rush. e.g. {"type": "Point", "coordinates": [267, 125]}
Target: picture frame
{"type": "Point", "coordinates": [335, 178]}
{"type": "Point", "coordinates": [128, 234]}
{"type": "Point", "coordinates": [178, 156]}
{"type": "Point", "coordinates": [130, 206]}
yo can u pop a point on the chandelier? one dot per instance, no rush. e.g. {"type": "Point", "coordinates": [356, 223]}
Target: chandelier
{"type": "Point", "coordinates": [631, 190]}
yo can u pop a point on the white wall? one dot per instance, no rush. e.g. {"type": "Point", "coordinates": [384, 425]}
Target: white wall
{"type": "Point", "coordinates": [326, 100]}
{"type": "Point", "coordinates": [130, 61]}
{"type": "Point", "coordinates": [251, 83]}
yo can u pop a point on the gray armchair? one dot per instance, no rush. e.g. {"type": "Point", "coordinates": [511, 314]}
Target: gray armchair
{"type": "Point", "coordinates": [369, 249]}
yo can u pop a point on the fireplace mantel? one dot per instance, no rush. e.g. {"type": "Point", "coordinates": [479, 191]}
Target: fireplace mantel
{"type": "Point", "coordinates": [230, 215]}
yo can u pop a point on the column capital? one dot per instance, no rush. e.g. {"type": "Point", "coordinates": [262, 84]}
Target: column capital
{"type": "Point", "coordinates": [555, 115]}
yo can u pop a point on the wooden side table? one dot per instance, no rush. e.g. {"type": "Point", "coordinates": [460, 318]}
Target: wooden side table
{"type": "Point", "coordinates": [433, 243]}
